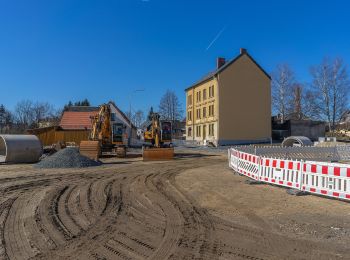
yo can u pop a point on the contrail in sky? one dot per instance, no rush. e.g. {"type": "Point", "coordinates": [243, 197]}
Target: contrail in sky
{"type": "Point", "coordinates": [216, 37]}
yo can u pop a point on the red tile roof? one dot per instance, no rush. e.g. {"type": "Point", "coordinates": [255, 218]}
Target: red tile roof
{"type": "Point", "coordinates": [76, 120]}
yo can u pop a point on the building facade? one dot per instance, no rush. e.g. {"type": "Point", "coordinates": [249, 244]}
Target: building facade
{"type": "Point", "coordinates": [231, 105]}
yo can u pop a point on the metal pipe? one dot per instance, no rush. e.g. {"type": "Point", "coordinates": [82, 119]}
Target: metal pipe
{"type": "Point", "coordinates": [20, 149]}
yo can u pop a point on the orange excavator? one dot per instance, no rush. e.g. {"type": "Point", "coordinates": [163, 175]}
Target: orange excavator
{"type": "Point", "coordinates": [103, 138]}
{"type": "Point", "coordinates": [158, 135]}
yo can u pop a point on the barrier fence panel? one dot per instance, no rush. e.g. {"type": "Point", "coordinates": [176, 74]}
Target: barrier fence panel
{"type": "Point", "coordinates": [329, 179]}
{"type": "Point", "coordinates": [248, 165]}
{"type": "Point", "coordinates": [233, 158]}
{"type": "Point", "coordinates": [281, 172]}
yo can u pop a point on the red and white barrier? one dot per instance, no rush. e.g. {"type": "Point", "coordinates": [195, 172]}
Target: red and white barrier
{"type": "Point", "coordinates": [329, 179]}
{"type": "Point", "coordinates": [233, 158]}
{"type": "Point", "coordinates": [248, 165]}
{"type": "Point", "coordinates": [281, 172]}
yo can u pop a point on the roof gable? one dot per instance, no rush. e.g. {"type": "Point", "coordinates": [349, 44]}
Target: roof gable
{"type": "Point", "coordinates": [126, 119]}
{"type": "Point", "coordinates": [212, 74]}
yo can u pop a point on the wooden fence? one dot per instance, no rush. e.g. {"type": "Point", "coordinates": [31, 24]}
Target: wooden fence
{"type": "Point", "coordinates": [51, 135]}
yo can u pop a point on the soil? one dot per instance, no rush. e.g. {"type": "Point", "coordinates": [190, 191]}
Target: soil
{"type": "Point", "coordinates": [193, 207]}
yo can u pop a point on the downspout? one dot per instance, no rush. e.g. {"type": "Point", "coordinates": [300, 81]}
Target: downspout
{"type": "Point", "coordinates": [218, 108]}
{"type": "Point", "coordinates": [192, 115]}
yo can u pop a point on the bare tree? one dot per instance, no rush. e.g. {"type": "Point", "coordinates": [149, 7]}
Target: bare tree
{"type": "Point", "coordinates": [282, 91]}
{"type": "Point", "coordinates": [310, 104]}
{"type": "Point", "coordinates": [42, 110]}
{"type": "Point", "coordinates": [24, 113]}
{"type": "Point", "coordinates": [170, 107]}
{"type": "Point", "coordinates": [297, 101]}
{"type": "Point", "coordinates": [330, 80]}
{"type": "Point", "coordinates": [138, 118]}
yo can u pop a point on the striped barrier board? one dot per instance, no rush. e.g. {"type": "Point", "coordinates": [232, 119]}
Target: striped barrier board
{"type": "Point", "coordinates": [248, 165]}
{"type": "Point", "coordinates": [233, 158]}
{"type": "Point", "coordinates": [329, 179]}
{"type": "Point", "coordinates": [281, 172]}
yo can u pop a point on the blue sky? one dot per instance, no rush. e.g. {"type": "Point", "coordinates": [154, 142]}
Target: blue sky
{"type": "Point", "coordinates": [64, 50]}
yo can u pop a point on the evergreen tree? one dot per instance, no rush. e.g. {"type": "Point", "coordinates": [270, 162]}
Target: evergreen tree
{"type": "Point", "coordinates": [149, 117]}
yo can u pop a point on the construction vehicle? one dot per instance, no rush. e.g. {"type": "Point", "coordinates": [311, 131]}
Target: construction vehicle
{"type": "Point", "coordinates": [104, 138]}
{"type": "Point", "coordinates": [158, 136]}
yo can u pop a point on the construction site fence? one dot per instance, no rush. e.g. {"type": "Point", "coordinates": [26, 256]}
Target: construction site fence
{"type": "Point", "coordinates": [315, 153]}
{"type": "Point", "coordinates": [321, 178]}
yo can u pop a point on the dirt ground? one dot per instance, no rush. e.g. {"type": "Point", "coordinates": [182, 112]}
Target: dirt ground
{"type": "Point", "coordinates": [193, 207]}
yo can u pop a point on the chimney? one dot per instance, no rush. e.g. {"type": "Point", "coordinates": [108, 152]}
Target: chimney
{"type": "Point", "coordinates": [220, 62]}
{"type": "Point", "coordinates": [243, 51]}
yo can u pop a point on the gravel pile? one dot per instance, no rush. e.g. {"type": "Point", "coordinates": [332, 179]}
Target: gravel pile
{"type": "Point", "coordinates": [66, 158]}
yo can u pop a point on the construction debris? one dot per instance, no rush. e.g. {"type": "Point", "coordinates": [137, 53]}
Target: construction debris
{"type": "Point", "coordinates": [66, 158]}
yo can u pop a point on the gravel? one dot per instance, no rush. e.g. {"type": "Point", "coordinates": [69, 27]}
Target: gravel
{"type": "Point", "coordinates": [66, 158]}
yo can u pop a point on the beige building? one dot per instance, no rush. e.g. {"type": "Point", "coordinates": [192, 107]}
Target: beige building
{"type": "Point", "coordinates": [231, 105]}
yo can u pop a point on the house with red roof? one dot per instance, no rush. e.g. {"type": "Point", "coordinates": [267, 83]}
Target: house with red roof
{"type": "Point", "coordinates": [76, 123]}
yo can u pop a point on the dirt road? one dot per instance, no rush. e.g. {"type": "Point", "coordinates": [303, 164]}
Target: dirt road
{"type": "Point", "coordinates": [128, 209]}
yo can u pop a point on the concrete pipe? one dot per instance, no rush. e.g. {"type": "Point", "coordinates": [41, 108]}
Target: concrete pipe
{"type": "Point", "coordinates": [300, 140]}
{"type": "Point", "coordinates": [20, 149]}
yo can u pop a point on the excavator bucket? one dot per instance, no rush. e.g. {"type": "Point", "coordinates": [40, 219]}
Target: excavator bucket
{"type": "Point", "coordinates": [158, 154]}
{"type": "Point", "coordinates": [90, 149]}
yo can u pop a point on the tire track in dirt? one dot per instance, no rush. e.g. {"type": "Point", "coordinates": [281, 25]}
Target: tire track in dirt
{"type": "Point", "coordinates": [4, 212]}
{"type": "Point", "coordinates": [135, 211]}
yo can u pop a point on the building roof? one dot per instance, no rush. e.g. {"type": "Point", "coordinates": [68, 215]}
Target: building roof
{"type": "Point", "coordinates": [79, 117]}
{"type": "Point", "coordinates": [210, 75]}
{"type": "Point", "coordinates": [76, 120]}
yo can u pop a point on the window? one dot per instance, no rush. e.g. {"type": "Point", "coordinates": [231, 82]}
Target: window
{"type": "Point", "coordinates": [189, 115]}
{"type": "Point", "coordinates": [211, 129]}
{"type": "Point", "coordinates": [211, 91]}
{"type": "Point", "coordinates": [198, 130]}
{"type": "Point", "coordinates": [113, 117]}
{"type": "Point", "coordinates": [189, 131]}
{"type": "Point", "coordinates": [211, 110]}
{"type": "Point", "coordinates": [189, 100]}
{"type": "Point", "coordinates": [198, 113]}
{"type": "Point", "coordinates": [204, 112]}
{"type": "Point", "coordinates": [204, 94]}
{"type": "Point", "coordinates": [198, 96]}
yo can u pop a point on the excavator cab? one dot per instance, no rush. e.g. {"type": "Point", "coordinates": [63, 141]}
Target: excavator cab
{"type": "Point", "coordinates": [118, 130]}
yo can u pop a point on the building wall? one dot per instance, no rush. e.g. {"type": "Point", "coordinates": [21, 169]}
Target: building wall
{"type": "Point", "coordinates": [245, 103]}
{"type": "Point", "coordinates": [201, 123]}
{"type": "Point", "coordinates": [308, 128]}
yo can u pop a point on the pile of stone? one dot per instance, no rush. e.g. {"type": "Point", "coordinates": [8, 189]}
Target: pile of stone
{"type": "Point", "coordinates": [66, 158]}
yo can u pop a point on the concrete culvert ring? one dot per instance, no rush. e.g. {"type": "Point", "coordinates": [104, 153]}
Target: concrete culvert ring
{"type": "Point", "coordinates": [3, 150]}
{"type": "Point", "coordinates": [20, 149]}
{"type": "Point", "coordinates": [299, 140]}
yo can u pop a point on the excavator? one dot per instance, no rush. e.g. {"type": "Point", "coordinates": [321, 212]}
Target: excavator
{"type": "Point", "coordinates": [158, 135]}
{"type": "Point", "coordinates": [103, 138]}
